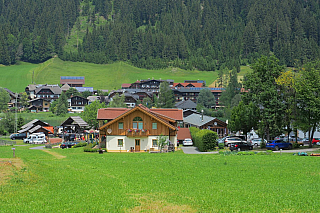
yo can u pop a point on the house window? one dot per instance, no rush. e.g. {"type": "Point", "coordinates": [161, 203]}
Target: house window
{"type": "Point", "coordinates": [134, 125]}
{"type": "Point", "coordinates": [138, 123]}
{"type": "Point", "coordinates": [154, 125]}
{"type": "Point", "coordinates": [120, 142]}
{"type": "Point", "coordinates": [120, 125]}
{"type": "Point", "coordinates": [154, 143]}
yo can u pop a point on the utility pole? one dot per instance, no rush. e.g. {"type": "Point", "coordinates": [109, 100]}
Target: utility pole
{"type": "Point", "coordinates": [15, 117]}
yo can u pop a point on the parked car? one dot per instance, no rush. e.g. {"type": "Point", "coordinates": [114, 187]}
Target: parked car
{"type": "Point", "coordinates": [187, 142]}
{"type": "Point", "coordinates": [36, 138]}
{"type": "Point", "coordinates": [69, 137]}
{"type": "Point", "coordinates": [232, 140]}
{"type": "Point", "coordinates": [315, 141]}
{"type": "Point", "coordinates": [19, 136]}
{"type": "Point", "coordinates": [278, 144]}
{"type": "Point", "coordinates": [299, 141]}
{"type": "Point", "coordinates": [239, 146]}
{"type": "Point", "coordinates": [68, 144]}
{"type": "Point", "coordinates": [305, 140]}
{"type": "Point", "coordinates": [257, 141]}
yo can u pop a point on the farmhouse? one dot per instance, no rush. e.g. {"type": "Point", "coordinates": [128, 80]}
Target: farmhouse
{"type": "Point", "coordinates": [206, 122]}
{"type": "Point", "coordinates": [137, 129]}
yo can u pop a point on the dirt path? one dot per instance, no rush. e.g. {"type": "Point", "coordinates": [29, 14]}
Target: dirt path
{"type": "Point", "coordinates": [58, 156]}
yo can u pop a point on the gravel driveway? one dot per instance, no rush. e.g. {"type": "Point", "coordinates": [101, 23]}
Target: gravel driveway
{"type": "Point", "coordinates": [194, 150]}
{"type": "Point", "coordinates": [38, 147]}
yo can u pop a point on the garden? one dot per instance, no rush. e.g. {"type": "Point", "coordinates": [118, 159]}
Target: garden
{"type": "Point", "coordinates": [72, 180]}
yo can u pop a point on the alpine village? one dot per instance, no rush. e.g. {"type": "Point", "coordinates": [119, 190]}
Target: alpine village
{"type": "Point", "coordinates": [159, 105]}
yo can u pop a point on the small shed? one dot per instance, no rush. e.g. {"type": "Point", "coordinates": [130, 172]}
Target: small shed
{"type": "Point", "coordinates": [74, 124]}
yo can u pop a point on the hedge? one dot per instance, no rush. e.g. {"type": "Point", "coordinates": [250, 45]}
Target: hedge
{"type": "Point", "coordinates": [204, 139]}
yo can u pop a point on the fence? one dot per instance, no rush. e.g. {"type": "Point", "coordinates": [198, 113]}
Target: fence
{"type": "Point", "coordinates": [7, 143]}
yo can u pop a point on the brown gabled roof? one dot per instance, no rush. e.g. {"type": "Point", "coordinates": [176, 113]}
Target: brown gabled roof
{"type": "Point", "coordinates": [186, 84]}
{"type": "Point", "coordinates": [110, 113]}
{"type": "Point", "coordinates": [176, 114]}
{"type": "Point", "coordinates": [183, 133]}
{"type": "Point", "coordinates": [125, 85]}
{"type": "Point", "coordinates": [142, 109]}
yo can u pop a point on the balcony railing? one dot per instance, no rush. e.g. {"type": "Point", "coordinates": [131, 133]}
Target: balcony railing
{"type": "Point", "coordinates": [137, 132]}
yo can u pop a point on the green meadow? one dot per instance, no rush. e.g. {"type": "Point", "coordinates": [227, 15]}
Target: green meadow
{"type": "Point", "coordinates": [16, 77]}
{"type": "Point", "coordinates": [99, 76]}
{"type": "Point", "coordinates": [70, 180]}
{"type": "Point", "coordinates": [48, 117]}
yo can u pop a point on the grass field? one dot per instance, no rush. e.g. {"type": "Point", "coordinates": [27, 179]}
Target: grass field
{"type": "Point", "coordinates": [108, 76]}
{"type": "Point", "coordinates": [70, 180]}
{"type": "Point", "coordinates": [16, 77]}
{"type": "Point", "coordinates": [111, 76]}
{"type": "Point", "coordinates": [48, 117]}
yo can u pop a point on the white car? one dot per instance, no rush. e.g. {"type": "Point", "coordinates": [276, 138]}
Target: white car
{"type": "Point", "coordinates": [257, 141]}
{"type": "Point", "coordinates": [187, 142]}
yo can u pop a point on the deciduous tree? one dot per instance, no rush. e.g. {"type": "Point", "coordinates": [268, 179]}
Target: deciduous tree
{"type": "Point", "coordinates": [89, 114]}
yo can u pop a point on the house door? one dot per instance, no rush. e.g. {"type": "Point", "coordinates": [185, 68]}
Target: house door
{"type": "Point", "coordinates": [137, 146]}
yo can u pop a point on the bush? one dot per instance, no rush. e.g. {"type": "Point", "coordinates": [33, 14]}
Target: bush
{"type": "Point", "coordinates": [221, 145]}
{"type": "Point", "coordinates": [81, 144]}
{"type": "Point", "coordinates": [204, 139]}
{"type": "Point", "coordinates": [262, 145]}
{"type": "Point", "coordinates": [89, 148]}
{"type": "Point", "coordinates": [193, 132]}
{"type": "Point", "coordinates": [295, 145]}
{"type": "Point", "coordinates": [48, 146]}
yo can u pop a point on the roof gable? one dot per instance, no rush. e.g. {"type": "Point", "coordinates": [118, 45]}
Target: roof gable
{"type": "Point", "coordinates": [142, 110]}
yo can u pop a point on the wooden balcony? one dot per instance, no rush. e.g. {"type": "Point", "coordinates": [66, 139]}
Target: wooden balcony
{"type": "Point", "coordinates": [137, 133]}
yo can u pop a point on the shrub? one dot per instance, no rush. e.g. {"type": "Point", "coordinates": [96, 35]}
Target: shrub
{"type": "Point", "coordinates": [193, 132]}
{"type": "Point", "coordinates": [268, 152]}
{"type": "Point", "coordinates": [209, 140]}
{"type": "Point", "coordinates": [81, 144]}
{"type": "Point", "coordinates": [204, 139]}
{"type": "Point", "coordinates": [221, 145]}
{"type": "Point", "coordinates": [48, 146]}
{"type": "Point", "coordinates": [296, 145]}
{"type": "Point", "coordinates": [88, 148]}
{"type": "Point", "coordinates": [262, 145]}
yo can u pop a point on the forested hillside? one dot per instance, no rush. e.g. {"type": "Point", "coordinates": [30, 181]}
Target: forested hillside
{"type": "Point", "coordinates": [191, 34]}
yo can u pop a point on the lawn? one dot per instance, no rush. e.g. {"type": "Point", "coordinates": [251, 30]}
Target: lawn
{"type": "Point", "coordinates": [70, 180]}
{"type": "Point", "coordinates": [48, 117]}
{"type": "Point", "coordinates": [16, 77]}
{"type": "Point", "coordinates": [111, 76]}
{"type": "Point", "coordinates": [99, 76]}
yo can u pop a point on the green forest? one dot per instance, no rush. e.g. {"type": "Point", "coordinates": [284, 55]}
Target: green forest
{"type": "Point", "coordinates": [190, 34]}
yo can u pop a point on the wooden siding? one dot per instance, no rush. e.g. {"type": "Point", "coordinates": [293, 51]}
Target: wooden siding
{"type": "Point", "coordinates": [147, 125]}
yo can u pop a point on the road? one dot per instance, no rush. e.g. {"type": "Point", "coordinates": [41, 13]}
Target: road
{"type": "Point", "coordinates": [37, 147]}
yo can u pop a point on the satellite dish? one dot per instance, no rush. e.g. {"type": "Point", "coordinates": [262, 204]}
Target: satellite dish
{"type": "Point", "coordinates": [215, 123]}
{"type": "Point", "coordinates": [109, 131]}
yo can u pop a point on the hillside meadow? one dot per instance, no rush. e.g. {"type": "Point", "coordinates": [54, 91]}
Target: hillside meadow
{"type": "Point", "coordinates": [70, 180]}
{"type": "Point", "coordinates": [99, 76]}
{"type": "Point", "coordinates": [48, 117]}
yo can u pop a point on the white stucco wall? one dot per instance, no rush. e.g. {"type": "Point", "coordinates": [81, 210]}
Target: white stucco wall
{"type": "Point", "coordinates": [145, 143]}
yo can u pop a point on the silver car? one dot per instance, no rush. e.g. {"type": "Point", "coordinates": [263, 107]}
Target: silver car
{"type": "Point", "coordinates": [257, 141]}
{"type": "Point", "coordinates": [232, 140]}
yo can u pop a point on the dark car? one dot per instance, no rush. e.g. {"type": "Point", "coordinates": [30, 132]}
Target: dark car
{"type": "Point", "coordinates": [69, 137]}
{"type": "Point", "coordinates": [240, 146]}
{"type": "Point", "coordinates": [67, 145]}
{"type": "Point", "coordinates": [278, 144]}
{"type": "Point", "coordinates": [16, 136]}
